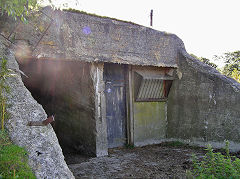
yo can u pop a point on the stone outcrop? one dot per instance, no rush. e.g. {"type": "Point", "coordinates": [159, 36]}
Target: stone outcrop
{"type": "Point", "coordinates": [44, 152]}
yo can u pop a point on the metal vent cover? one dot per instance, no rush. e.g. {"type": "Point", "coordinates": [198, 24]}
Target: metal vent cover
{"type": "Point", "coordinates": [151, 87]}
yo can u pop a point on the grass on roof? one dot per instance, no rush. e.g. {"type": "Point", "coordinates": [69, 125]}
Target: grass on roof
{"type": "Point", "coordinates": [95, 15]}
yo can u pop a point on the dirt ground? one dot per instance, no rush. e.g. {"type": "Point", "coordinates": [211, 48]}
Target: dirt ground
{"type": "Point", "coordinates": [156, 161]}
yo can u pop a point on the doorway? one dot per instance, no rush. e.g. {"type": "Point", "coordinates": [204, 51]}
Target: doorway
{"type": "Point", "coordinates": [115, 92]}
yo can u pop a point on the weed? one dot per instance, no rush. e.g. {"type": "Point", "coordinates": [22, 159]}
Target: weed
{"type": "Point", "coordinates": [215, 165]}
{"type": "Point", "coordinates": [13, 159]}
{"type": "Point", "coordinates": [129, 146]}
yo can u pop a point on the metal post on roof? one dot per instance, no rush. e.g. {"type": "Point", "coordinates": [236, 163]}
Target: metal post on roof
{"type": "Point", "coordinates": [151, 18]}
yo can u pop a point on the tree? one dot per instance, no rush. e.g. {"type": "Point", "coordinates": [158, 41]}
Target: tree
{"type": "Point", "coordinates": [17, 8]}
{"type": "Point", "coordinates": [205, 60]}
{"type": "Point", "coordinates": [232, 64]}
{"type": "Point", "coordinates": [20, 8]}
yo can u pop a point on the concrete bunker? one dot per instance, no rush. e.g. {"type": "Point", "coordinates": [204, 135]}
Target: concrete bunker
{"type": "Point", "coordinates": [132, 102]}
{"type": "Point", "coordinates": [202, 106]}
{"type": "Point", "coordinates": [65, 89]}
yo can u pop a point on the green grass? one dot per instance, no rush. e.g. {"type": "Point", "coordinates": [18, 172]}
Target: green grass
{"type": "Point", "coordinates": [13, 159]}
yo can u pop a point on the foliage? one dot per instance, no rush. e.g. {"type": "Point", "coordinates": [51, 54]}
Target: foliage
{"type": "Point", "coordinates": [17, 8]}
{"type": "Point", "coordinates": [129, 146]}
{"type": "Point", "coordinates": [232, 64]}
{"type": "Point", "coordinates": [4, 88]}
{"type": "Point", "coordinates": [236, 74]}
{"type": "Point", "coordinates": [215, 165]}
{"type": "Point", "coordinates": [205, 60]}
{"type": "Point", "coordinates": [13, 159]}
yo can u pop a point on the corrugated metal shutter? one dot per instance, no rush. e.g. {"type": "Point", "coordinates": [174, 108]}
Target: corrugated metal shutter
{"type": "Point", "coordinates": [150, 88]}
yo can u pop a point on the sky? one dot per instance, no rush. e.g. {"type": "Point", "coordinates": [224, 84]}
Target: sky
{"type": "Point", "coordinates": [207, 27]}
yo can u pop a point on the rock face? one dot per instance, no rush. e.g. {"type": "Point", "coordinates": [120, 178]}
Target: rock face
{"type": "Point", "coordinates": [45, 154]}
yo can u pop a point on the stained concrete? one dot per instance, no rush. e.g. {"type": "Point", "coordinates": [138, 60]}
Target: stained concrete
{"type": "Point", "coordinates": [203, 105]}
{"type": "Point", "coordinates": [66, 90]}
{"type": "Point", "coordinates": [79, 36]}
{"type": "Point", "coordinates": [100, 109]}
{"type": "Point", "coordinates": [149, 117]}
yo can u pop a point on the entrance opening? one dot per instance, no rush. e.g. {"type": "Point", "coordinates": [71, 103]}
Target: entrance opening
{"type": "Point", "coordinates": [65, 89]}
{"type": "Point", "coordinates": [115, 92]}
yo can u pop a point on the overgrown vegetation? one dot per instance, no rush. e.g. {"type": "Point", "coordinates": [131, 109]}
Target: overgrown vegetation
{"type": "Point", "coordinates": [4, 88]}
{"type": "Point", "coordinates": [215, 165]}
{"type": "Point", "coordinates": [13, 159]}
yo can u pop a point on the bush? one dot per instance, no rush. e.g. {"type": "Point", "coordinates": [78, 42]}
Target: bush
{"type": "Point", "coordinates": [13, 159]}
{"type": "Point", "coordinates": [215, 165]}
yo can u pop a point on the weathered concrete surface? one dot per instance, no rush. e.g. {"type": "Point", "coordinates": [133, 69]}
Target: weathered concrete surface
{"type": "Point", "coordinates": [150, 118]}
{"type": "Point", "coordinates": [74, 92]}
{"type": "Point", "coordinates": [96, 73]}
{"type": "Point", "coordinates": [65, 89]}
{"type": "Point", "coordinates": [44, 153]}
{"type": "Point", "coordinates": [79, 36]}
{"type": "Point", "coordinates": [203, 105]}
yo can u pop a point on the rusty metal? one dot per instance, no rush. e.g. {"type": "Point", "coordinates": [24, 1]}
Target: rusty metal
{"type": "Point", "coordinates": [13, 31]}
{"type": "Point", "coordinates": [51, 20]}
{"type": "Point", "coordinates": [42, 35]}
{"type": "Point", "coordinates": [41, 123]}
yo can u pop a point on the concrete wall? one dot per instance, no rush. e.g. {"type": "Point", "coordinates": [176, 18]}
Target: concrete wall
{"type": "Point", "coordinates": [65, 88]}
{"type": "Point", "coordinates": [149, 118]}
{"type": "Point", "coordinates": [203, 105]}
{"type": "Point", "coordinates": [80, 36]}
{"type": "Point", "coordinates": [100, 109]}
{"type": "Point", "coordinates": [149, 123]}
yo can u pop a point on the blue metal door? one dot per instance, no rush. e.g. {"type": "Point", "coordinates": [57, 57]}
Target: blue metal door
{"type": "Point", "coordinates": [115, 93]}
